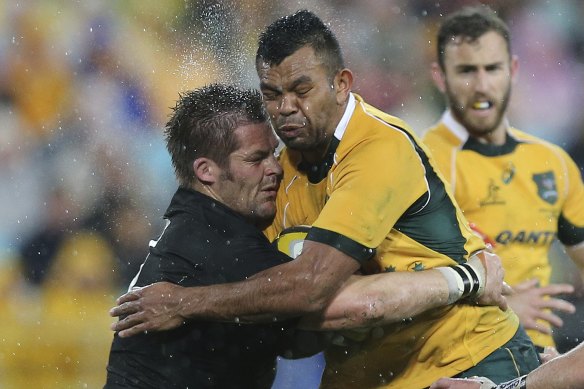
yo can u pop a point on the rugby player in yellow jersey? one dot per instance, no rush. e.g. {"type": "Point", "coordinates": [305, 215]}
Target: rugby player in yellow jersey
{"type": "Point", "coordinates": [371, 194]}
{"type": "Point", "coordinates": [519, 190]}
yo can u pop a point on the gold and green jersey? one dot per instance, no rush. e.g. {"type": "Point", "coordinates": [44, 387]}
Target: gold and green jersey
{"type": "Point", "coordinates": [378, 198]}
{"type": "Point", "coordinates": [521, 195]}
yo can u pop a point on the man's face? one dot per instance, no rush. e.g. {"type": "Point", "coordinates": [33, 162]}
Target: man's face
{"type": "Point", "coordinates": [301, 100]}
{"type": "Point", "coordinates": [250, 181]}
{"type": "Point", "coordinates": [477, 82]}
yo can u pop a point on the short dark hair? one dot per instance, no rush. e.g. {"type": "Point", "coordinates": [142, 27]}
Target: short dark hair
{"type": "Point", "coordinates": [470, 23]}
{"type": "Point", "coordinates": [203, 122]}
{"type": "Point", "coordinates": [289, 33]}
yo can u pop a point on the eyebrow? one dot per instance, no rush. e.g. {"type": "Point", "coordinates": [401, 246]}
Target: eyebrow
{"type": "Point", "coordinates": [473, 65]}
{"type": "Point", "coordinates": [300, 80]}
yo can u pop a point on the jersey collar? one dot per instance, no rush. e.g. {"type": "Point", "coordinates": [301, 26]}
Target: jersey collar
{"type": "Point", "coordinates": [469, 143]}
{"type": "Point", "coordinates": [455, 127]}
{"type": "Point", "coordinates": [342, 126]}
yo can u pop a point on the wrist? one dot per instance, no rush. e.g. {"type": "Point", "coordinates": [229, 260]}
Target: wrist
{"type": "Point", "coordinates": [184, 303]}
{"type": "Point", "coordinates": [465, 280]}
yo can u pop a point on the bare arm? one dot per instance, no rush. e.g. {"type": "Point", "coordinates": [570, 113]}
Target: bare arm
{"type": "Point", "coordinates": [563, 372]}
{"type": "Point", "coordinates": [367, 301]}
{"type": "Point", "coordinates": [363, 301]}
{"type": "Point", "coordinates": [305, 285]}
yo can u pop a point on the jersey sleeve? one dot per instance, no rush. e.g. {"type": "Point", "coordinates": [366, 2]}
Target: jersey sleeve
{"type": "Point", "coordinates": [571, 220]}
{"type": "Point", "coordinates": [369, 191]}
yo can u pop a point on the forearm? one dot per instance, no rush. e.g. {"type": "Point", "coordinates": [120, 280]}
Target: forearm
{"type": "Point", "coordinates": [303, 286]}
{"type": "Point", "coordinates": [562, 372]}
{"type": "Point", "coordinates": [366, 301]}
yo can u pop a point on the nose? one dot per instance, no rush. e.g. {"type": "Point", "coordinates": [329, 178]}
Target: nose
{"type": "Point", "coordinates": [482, 81]}
{"type": "Point", "coordinates": [273, 167]}
{"type": "Point", "coordinates": [288, 104]}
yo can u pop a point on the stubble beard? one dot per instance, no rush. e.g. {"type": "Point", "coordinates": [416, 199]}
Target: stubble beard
{"type": "Point", "coordinates": [460, 112]}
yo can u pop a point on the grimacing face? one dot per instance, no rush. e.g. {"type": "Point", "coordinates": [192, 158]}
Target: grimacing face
{"type": "Point", "coordinates": [477, 83]}
{"type": "Point", "coordinates": [301, 100]}
{"type": "Point", "coordinates": [250, 182]}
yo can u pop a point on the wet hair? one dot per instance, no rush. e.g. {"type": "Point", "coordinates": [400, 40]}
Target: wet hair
{"type": "Point", "coordinates": [286, 35]}
{"type": "Point", "coordinates": [469, 24]}
{"type": "Point", "coordinates": [203, 123]}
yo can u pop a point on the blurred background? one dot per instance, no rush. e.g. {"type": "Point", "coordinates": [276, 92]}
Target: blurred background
{"type": "Point", "coordinates": [86, 88]}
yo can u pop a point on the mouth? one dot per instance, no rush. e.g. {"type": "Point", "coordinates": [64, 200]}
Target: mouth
{"type": "Point", "coordinates": [482, 105]}
{"type": "Point", "coordinates": [271, 190]}
{"type": "Point", "coordinates": [290, 130]}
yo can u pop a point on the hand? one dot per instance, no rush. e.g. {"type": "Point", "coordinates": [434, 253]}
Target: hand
{"type": "Point", "coordinates": [549, 353]}
{"type": "Point", "coordinates": [496, 289]}
{"type": "Point", "coordinates": [154, 307]}
{"type": "Point", "coordinates": [530, 303]}
{"type": "Point", "coordinates": [460, 383]}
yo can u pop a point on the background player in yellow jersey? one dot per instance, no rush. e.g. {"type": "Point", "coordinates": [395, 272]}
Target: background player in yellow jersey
{"type": "Point", "coordinates": [369, 189]}
{"type": "Point", "coordinates": [519, 190]}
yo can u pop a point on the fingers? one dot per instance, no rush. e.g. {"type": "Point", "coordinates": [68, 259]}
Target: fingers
{"type": "Point", "coordinates": [558, 305]}
{"type": "Point", "coordinates": [555, 289]}
{"type": "Point", "coordinates": [526, 285]}
{"type": "Point", "coordinates": [551, 318]}
{"type": "Point", "coordinates": [506, 289]}
{"type": "Point", "coordinates": [130, 296]}
{"type": "Point", "coordinates": [536, 326]}
{"type": "Point", "coordinates": [135, 330]}
{"type": "Point", "coordinates": [127, 322]}
{"type": "Point", "coordinates": [548, 354]}
{"type": "Point", "coordinates": [126, 308]}
{"type": "Point", "coordinates": [503, 304]}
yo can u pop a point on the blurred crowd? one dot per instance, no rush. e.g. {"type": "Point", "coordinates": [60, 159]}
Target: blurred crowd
{"type": "Point", "coordinates": [86, 88]}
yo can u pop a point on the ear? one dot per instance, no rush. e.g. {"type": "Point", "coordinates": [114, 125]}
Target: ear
{"type": "Point", "coordinates": [514, 68]}
{"type": "Point", "coordinates": [438, 77]}
{"type": "Point", "coordinates": [343, 83]}
{"type": "Point", "coordinates": [206, 170]}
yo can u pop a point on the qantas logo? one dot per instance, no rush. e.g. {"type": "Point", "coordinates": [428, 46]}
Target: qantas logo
{"type": "Point", "coordinates": [525, 237]}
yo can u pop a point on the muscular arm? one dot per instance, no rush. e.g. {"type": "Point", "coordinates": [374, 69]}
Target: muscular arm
{"type": "Point", "coordinates": [367, 301]}
{"type": "Point", "coordinates": [363, 300]}
{"type": "Point", "coordinates": [305, 285]}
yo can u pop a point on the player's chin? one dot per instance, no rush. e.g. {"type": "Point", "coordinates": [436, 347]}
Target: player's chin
{"type": "Point", "coordinates": [267, 209]}
{"type": "Point", "coordinates": [265, 215]}
{"type": "Point", "coordinates": [298, 143]}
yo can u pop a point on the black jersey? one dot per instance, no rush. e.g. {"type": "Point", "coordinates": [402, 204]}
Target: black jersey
{"type": "Point", "coordinates": [203, 243]}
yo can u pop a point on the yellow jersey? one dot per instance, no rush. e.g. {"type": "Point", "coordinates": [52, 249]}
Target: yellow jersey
{"type": "Point", "coordinates": [378, 197]}
{"type": "Point", "coordinates": [521, 195]}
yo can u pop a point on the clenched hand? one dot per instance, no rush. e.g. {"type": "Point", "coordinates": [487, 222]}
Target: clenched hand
{"type": "Point", "coordinates": [154, 307]}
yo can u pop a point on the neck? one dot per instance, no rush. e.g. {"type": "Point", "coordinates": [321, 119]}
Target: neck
{"type": "Point", "coordinates": [317, 154]}
{"type": "Point", "coordinates": [496, 137]}
{"type": "Point", "coordinates": [207, 190]}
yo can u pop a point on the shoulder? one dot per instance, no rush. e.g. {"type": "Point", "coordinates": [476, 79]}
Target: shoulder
{"type": "Point", "coordinates": [542, 145]}
{"type": "Point", "coordinates": [439, 136]}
